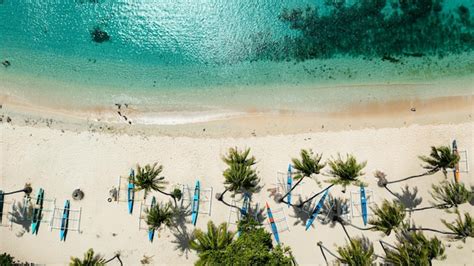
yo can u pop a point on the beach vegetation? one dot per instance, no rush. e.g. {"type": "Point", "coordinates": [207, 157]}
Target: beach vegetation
{"type": "Point", "coordinates": [388, 217]}
{"type": "Point", "coordinates": [7, 259]}
{"type": "Point", "coordinates": [440, 158]}
{"type": "Point", "coordinates": [159, 215]}
{"type": "Point", "coordinates": [344, 173]}
{"type": "Point", "coordinates": [217, 238]}
{"type": "Point", "coordinates": [358, 252]}
{"type": "Point", "coordinates": [90, 258]}
{"type": "Point", "coordinates": [307, 167]}
{"type": "Point", "coordinates": [450, 194]}
{"type": "Point", "coordinates": [414, 248]}
{"type": "Point", "coordinates": [240, 177]}
{"type": "Point", "coordinates": [254, 246]}
{"type": "Point", "coordinates": [148, 179]}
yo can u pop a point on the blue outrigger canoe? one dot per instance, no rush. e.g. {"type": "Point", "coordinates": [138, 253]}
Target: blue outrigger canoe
{"type": "Point", "coordinates": [64, 221]}
{"type": "Point", "coordinates": [363, 204]}
{"type": "Point", "coordinates": [195, 207]}
{"type": "Point", "coordinates": [131, 191]}
{"type": "Point", "coordinates": [151, 232]}
{"type": "Point", "coordinates": [245, 206]}
{"type": "Point", "coordinates": [289, 184]}
{"type": "Point", "coordinates": [273, 224]}
{"type": "Point", "coordinates": [37, 212]}
{"type": "Point", "coordinates": [316, 210]}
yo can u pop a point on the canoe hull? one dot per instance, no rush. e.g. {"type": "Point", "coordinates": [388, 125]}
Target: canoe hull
{"type": "Point", "coordinates": [363, 204]}
{"type": "Point", "coordinates": [273, 224]}
{"type": "Point", "coordinates": [195, 206]}
{"type": "Point", "coordinates": [316, 210]}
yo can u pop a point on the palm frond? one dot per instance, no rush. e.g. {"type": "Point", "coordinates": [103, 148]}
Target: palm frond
{"type": "Point", "coordinates": [89, 259]}
{"type": "Point", "coordinates": [451, 194]}
{"type": "Point", "coordinates": [309, 165]}
{"type": "Point", "coordinates": [413, 248]}
{"type": "Point", "coordinates": [359, 251]}
{"type": "Point", "coordinates": [240, 178]}
{"type": "Point", "coordinates": [147, 178]}
{"type": "Point", "coordinates": [440, 158]}
{"type": "Point", "coordinates": [388, 217]}
{"type": "Point", "coordinates": [236, 156]}
{"type": "Point", "coordinates": [216, 238]}
{"type": "Point", "coordinates": [160, 214]}
{"type": "Point", "coordinates": [346, 172]}
{"type": "Point", "coordinates": [462, 228]}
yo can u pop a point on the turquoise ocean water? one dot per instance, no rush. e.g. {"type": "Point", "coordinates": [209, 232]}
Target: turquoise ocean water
{"type": "Point", "coordinates": [203, 55]}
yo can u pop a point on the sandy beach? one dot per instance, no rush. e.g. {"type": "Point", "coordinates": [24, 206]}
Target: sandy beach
{"type": "Point", "coordinates": [60, 160]}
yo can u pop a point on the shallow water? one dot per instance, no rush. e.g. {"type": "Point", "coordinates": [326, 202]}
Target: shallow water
{"type": "Point", "coordinates": [191, 55]}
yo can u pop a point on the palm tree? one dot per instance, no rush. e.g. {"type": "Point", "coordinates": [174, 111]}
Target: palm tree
{"type": "Point", "coordinates": [388, 217]}
{"type": "Point", "coordinates": [239, 176]}
{"type": "Point", "coordinates": [451, 194]}
{"type": "Point", "coordinates": [344, 173]}
{"type": "Point", "coordinates": [215, 239]}
{"type": "Point", "coordinates": [89, 259]}
{"type": "Point", "coordinates": [147, 178]}
{"type": "Point", "coordinates": [460, 229]}
{"type": "Point", "coordinates": [160, 214]}
{"type": "Point", "coordinates": [440, 158]}
{"type": "Point", "coordinates": [359, 251]}
{"type": "Point", "coordinates": [308, 166]}
{"type": "Point", "coordinates": [413, 248]}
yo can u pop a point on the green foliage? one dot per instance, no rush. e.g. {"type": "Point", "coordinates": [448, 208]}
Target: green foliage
{"type": "Point", "coordinates": [440, 158]}
{"type": "Point", "coordinates": [177, 193]}
{"type": "Point", "coordinates": [413, 248]}
{"type": "Point", "coordinates": [240, 177]}
{"type": "Point", "coordinates": [160, 214]}
{"type": "Point", "coordinates": [461, 228]}
{"type": "Point", "coordinates": [358, 252]}
{"type": "Point", "coordinates": [253, 247]}
{"type": "Point", "coordinates": [346, 172]}
{"type": "Point", "coordinates": [206, 243]}
{"type": "Point", "coordinates": [90, 259]}
{"type": "Point", "coordinates": [388, 217]}
{"type": "Point", "coordinates": [235, 156]}
{"type": "Point", "coordinates": [309, 164]}
{"type": "Point", "coordinates": [451, 194]}
{"type": "Point", "coordinates": [6, 259]}
{"type": "Point", "coordinates": [147, 178]}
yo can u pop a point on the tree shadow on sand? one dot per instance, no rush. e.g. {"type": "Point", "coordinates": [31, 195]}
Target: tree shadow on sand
{"type": "Point", "coordinates": [21, 215]}
{"type": "Point", "coordinates": [300, 214]}
{"type": "Point", "coordinates": [180, 231]}
{"type": "Point", "coordinates": [408, 198]}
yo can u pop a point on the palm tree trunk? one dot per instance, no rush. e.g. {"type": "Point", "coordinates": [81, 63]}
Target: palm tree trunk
{"type": "Point", "coordinates": [116, 256]}
{"type": "Point", "coordinates": [324, 255]}
{"type": "Point", "coordinates": [314, 196]}
{"type": "Point", "coordinates": [413, 176]}
{"type": "Point", "coordinates": [221, 199]}
{"type": "Point", "coordinates": [169, 195]}
{"type": "Point", "coordinates": [345, 230]}
{"type": "Point", "coordinates": [445, 206]}
{"type": "Point", "coordinates": [13, 192]}
{"type": "Point", "coordinates": [320, 244]}
{"type": "Point", "coordinates": [297, 183]}
{"type": "Point", "coordinates": [360, 228]}
{"type": "Point", "coordinates": [432, 230]}
{"type": "Point", "coordinates": [391, 192]}
{"type": "Point", "coordinates": [383, 247]}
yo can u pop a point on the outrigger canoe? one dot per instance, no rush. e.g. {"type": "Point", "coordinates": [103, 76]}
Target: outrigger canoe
{"type": "Point", "coordinates": [457, 175]}
{"type": "Point", "coordinates": [151, 232]}
{"type": "Point", "coordinates": [363, 204]}
{"type": "Point", "coordinates": [316, 210]}
{"type": "Point", "coordinates": [195, 207]}
{"type": "Point", "coordinates": [2, 199]}
{"type": "Point", "coordinates": [272, 224]}
{"type": "Point", "coordinates": [131, 191]}
{"type": "Point", "coordinates": [289, 184]}
{"type": "Point", "coordinates": [37, 212]}
{"type": "Point", "coordinates": [64, 221]}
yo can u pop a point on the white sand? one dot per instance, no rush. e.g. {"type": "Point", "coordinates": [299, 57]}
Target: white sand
{"type": "Point", "coordinates": [60, 162]}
